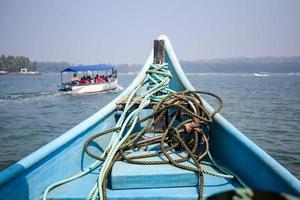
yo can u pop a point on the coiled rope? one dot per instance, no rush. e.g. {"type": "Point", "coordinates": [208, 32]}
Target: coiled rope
{"type": "Point", "coordinates": [188, 131]}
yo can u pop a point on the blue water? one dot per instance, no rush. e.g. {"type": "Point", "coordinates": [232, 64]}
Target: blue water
{"type": "Point", "coordinates": [266, 109]}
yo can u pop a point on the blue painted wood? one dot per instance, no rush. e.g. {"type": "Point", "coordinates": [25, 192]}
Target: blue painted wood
{"type": "Point", "coordinates": [249, 162]}
{"type": "Point", "coordinates": [80, 188]}
{"type": "Point", "coordinates": [28, 178]}
{"type": "Point", "coordinates": [161, 176]}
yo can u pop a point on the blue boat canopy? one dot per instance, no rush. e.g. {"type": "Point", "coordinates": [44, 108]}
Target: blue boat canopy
{"type": "Point", "coordinates": [87, 68]}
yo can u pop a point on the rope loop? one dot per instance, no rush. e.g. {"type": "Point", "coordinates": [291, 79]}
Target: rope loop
{"type": "Point", "coordinates": [185, 134]}
{"type": "Point", "coordinates": [158, 75]}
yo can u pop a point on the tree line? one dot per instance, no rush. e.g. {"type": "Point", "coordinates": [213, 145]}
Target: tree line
{"type": "Point", "coordinates": [244, 65]}
{"type": "Point", "coordinates": [233, 65]}
{"type": "Point", "coordinates": [16, 63]}
{"type": "Point", "coordinates": [46, 67]}
{"type": "Point", "coordinates": [226, 65]}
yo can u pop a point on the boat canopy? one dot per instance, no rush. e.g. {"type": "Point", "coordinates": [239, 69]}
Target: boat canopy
{"type": "Point", "coordinates": [87, 68]}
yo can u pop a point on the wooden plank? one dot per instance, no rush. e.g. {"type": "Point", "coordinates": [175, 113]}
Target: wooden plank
{"type": "Point", "coordinates": [160, 58]}
{"type": "Point", "coordinates": [159, 52]}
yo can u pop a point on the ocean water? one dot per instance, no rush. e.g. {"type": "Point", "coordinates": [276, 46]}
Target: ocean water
{"type": "Point", "coordinates": [265, 109]}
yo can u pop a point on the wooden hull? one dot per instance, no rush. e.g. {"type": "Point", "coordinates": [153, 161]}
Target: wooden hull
{"type": "Point", "coordinates": [63, 157]}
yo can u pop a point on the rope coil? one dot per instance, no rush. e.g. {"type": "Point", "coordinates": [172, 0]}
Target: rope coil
{"type": "Point", "coordinates": [188, 130]}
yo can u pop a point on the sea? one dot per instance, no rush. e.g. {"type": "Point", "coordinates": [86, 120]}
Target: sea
{"type": "Point", "coordinates": [265, 108]}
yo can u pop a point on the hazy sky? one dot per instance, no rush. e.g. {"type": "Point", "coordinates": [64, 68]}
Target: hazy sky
{"type": "Point", "coordinates": [95, 31]}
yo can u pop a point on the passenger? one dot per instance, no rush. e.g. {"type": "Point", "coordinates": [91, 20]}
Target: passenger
{"type": "Point", "coordinates": [100, 79]}
{"type": "Point", "coordinates": [105, 78]}
{"type": "Point", "coordinates": [74, 79]}
{"type": "Point", "coordinates": [83, 80]}
{"type": "Point", "coordinates": [96, 80]}
{"type": "Point", "coordinates": [89, 79]}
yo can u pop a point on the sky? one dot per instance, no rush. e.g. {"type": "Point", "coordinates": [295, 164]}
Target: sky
{"type": "Point", "coordinates": [96, 31]}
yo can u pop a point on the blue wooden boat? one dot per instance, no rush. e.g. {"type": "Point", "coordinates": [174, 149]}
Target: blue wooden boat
{"type": "Point", "coordinates": [64, 157]}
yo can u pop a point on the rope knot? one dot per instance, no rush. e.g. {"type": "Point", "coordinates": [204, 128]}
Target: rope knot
{"type": "Point", "coordinates": [159, 77]}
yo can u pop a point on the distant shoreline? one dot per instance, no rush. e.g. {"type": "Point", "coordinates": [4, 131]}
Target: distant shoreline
{"type": "Point", "coordinates": [186, 73]}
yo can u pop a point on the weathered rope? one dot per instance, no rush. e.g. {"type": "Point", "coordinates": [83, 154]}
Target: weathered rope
{"type": "Point", "coordinates": [173, 136]}
{"type": "Point", "coordinates": [158, 77]}
{"type": "Point", "coordinates": [157, 74]}
{"type": "Point", "coordinates": [187, 131]}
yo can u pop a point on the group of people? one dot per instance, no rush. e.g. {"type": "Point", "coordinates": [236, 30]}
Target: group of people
{"type": "Point", "coordinates": [88, 80]}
